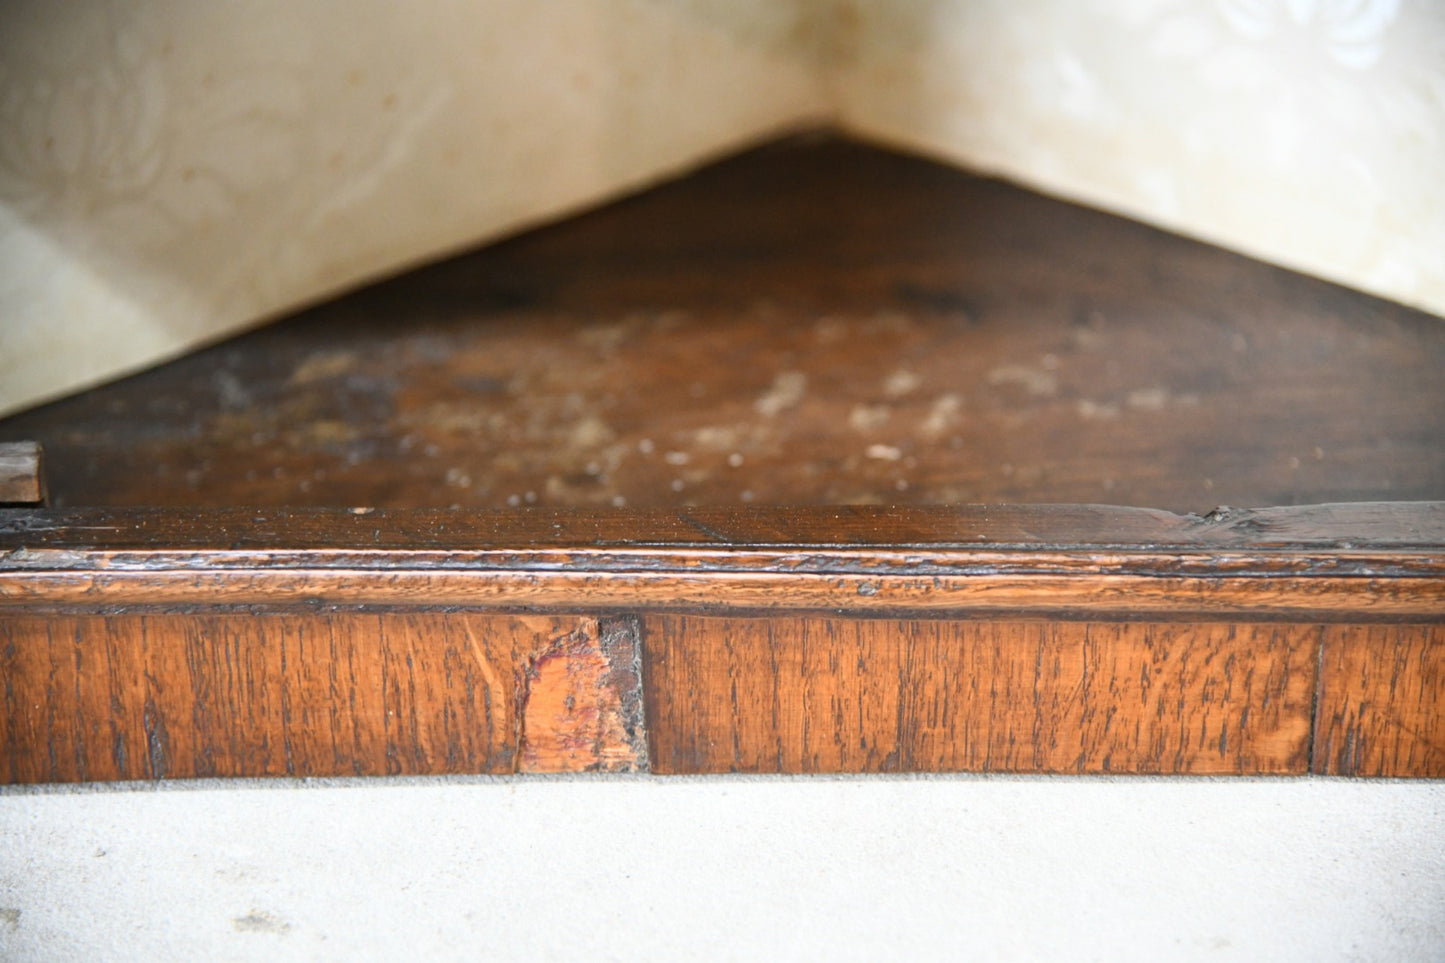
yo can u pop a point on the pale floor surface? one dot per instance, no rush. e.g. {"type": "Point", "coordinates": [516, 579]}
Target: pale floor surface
{"type": "Point", "coordinates": [742, 868]}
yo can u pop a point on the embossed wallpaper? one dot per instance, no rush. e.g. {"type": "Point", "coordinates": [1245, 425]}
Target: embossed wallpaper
{"type": "Point", "coordinates": [1309, 133]}
{"type": "Point", "coordinates": [171, 172]}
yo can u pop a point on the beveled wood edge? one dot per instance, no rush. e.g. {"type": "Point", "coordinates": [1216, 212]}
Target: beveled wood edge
{"type": "Point", "coordinates": [1316, 599]}
{"type": "Point", "coordinates": [1370, 561]}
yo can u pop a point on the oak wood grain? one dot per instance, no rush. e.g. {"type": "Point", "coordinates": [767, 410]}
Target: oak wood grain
{"type": "Point", "coordinates": [831, 695]}
{"type": "Point", "coordinates": [130, 696]}
{"type": "Point", "coordinates": [819, 323]}
{"type": "Point", "coordinates": [1382, 702]}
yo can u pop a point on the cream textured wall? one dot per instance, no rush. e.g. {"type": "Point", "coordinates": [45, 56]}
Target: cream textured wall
{"type": "Point", "coordinates": [1310, 133]}
{"type": "Point", "coordinates": [173, 171]}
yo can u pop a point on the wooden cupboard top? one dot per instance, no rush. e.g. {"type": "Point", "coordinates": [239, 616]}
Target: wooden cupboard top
{"type": "Point", "coordinates": [818, 323]}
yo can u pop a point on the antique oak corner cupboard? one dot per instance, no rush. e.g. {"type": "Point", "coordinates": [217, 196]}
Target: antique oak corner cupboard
{"type": "Point", "coordinates": [804, 463]}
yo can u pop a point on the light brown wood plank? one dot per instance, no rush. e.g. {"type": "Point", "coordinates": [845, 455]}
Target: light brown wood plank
{"type": "Point", "coordinates": [162, 696]}
{"type": "Point", "coordinates": [22, 473]}
{"type": "Point", "coordinates": [584, 708]}
{"type": "Point", "coordinates": [1382, 701]}
{"type": "Point", "coordinates": [954, 595]}
{"type": "Point", "coordinates": [833, 695]}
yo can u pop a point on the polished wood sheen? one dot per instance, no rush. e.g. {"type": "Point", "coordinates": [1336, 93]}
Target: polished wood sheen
{"type": "Point", "coordinates": [117, 697]}
{"type": "Point", "coordinates": [829, 695]}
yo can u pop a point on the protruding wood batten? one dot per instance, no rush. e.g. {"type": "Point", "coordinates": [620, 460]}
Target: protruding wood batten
{"type": "Point", "coordinates": [22, 473]}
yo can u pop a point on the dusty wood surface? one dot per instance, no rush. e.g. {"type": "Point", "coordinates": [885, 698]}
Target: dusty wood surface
{"type": "Point", "coordinates": [22, 473]}
{"type": "Point", "coordinates": [831, 695]}
{"type": "Point", "coordinates": [1382, 702]}
{"type": "Point", "coordinates": [173, 696]}
{"type": "Point", "coordinates": [820, 323]}
{"type": "Point", "coordinates": [1318, 562]}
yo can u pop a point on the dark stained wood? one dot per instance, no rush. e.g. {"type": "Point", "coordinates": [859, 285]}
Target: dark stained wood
{"type": "Point", "coordinates": [1405, 529]}
{"type": "Point", "coordinates": [1313, 563]}
{"type": "Point", "coordinates": [819, 323]}
{"type": "Point", "coordinates": [833, 695]}
{"type": "Point", "coordinates": [22, 473]}
{"type": "Point", "coordinates": [203, 694]}
{"type": "Point", "coordinates": [1382, 702]}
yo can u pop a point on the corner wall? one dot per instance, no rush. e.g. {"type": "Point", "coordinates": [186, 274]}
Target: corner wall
{"type": "Point", "coordinates": [1308, 133]}
{"type": "Point", "coordinates": [173, 172]}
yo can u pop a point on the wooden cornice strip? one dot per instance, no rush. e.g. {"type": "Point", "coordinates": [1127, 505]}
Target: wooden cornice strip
{"type": "Point", "coordinates": [1102, 596]}
{"type": "Point", "coordinates": [1332, 562]}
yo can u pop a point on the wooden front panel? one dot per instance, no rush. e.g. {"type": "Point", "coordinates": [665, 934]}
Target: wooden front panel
{"type": "Point", "coordinates": [841, 695]}
{"type": "Point", "coordinates": [157, 696]}
{"type": "Point", "coordinates": [1382, 701]}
